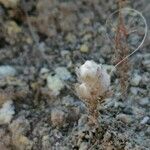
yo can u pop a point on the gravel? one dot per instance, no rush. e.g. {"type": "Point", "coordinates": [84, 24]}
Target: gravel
{"type": "Point", "coordinates": [38, 56]}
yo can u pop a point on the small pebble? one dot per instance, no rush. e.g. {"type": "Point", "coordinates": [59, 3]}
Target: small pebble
{"type": "Point", "coordinates": [10, 3]}
{"type": "Point", "coordinates": [83, 146]}
{"type": "Point", "coordinates": [107, 137]}
{"type": "Point", "coordinates": [87, 37]}
{"type": "Point", "coordinates": [148, 122]}
{"type": "Point", "coordinates": [138, 112]}
{"type": "Point", "coordinates": [119, 105]}
{"type": "Point", "coordinates": [145, 120]}
{"type": "Point", "coordinates": [63, 73]}
{"type": "Point", "coordinates": [7, 71]}
{"type": "Point", "coordinates": [146, 63]}
{"type": "Point", "coordinates": [44, 70]}
{"type": "Point", "coordinates": [86, 20]}
{"type": "Point", "coordinates": [44, 73]}
{"type": "Point", "coordinates": [124, 118]}
{"type": "Point", "coordinates": [136, 80]}
{"type": "Point", "coordinates": [70, 38]}
{"type": "Point", "coordinates": [12, 28]}
{"type": "Point", "coordinates": [148, 131]}
{"type": "Point", "coordinates": [128, 110]}
{"type": "Point", "coordinates": [46, 143]}
{"type": "Point", "coordinates": [83, 120]}
{"type": "Point", "coordinates": [144, 101]}
{"type": "Point", "coordinates": [57, 117]}
{"type": "Point", "coordinates": [84, 48]}
{"type": "Point", "coordinates": [134, 90]}
{"type": "Point", "coordinates": [6, 112]}
{"type": "Point", "coordinates": [55, 84]}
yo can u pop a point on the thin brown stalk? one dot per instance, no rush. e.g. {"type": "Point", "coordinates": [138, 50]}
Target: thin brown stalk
{"type": "Point", "coordinates": [122, 50]}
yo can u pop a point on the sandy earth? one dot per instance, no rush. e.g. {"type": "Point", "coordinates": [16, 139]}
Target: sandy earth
{"type": "Point", "coordinates": [41, 44]}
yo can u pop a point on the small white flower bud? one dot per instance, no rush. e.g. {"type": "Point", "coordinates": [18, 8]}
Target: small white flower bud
{"type": "Point", "coordinates": [83, 91]}
{"type": "Point", "coordinates": [89, 70]}
{"type": "Point", "coordinates": [95, 81]}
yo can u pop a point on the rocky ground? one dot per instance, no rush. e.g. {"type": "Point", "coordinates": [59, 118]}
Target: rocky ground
{"type": "Point", "coordinates": [41, 44]}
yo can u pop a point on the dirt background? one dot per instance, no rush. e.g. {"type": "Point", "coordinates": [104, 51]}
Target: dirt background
{"type": "Point", "coordinates": [37, 38]}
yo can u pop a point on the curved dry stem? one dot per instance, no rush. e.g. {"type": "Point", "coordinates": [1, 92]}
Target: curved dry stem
{"type": "Point", "coordinates": [146, 30]}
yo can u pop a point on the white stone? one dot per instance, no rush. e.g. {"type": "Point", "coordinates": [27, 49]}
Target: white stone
{"type": "Point", "coordinates": [44, 70]}
{"type": "Point", "coordinates": [7, 71]}
{"type": "Point", "coordinates": [144, 101]}
{"type": "Point", "coordinates": [134, 90]}
{"type": "Point", "coordinates": [145, 120]}
{"type": "Point", "coordinates": [136, 80]}
{"type": "Point", "coordinates": [6, 112]}
{"type": "Point", "coordinates": [55, 84]}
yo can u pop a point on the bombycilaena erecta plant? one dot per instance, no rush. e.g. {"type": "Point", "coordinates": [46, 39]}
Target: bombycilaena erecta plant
{"type": "Point", "coordinates": [94, 81]}
{"type": "Point", "coordinates": [93, 86]}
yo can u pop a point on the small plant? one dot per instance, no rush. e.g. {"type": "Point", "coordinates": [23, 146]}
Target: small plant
{"type": "Point", "coordinates": [93, 86]}
{"type": "Point", "coordinates": [94, 81]}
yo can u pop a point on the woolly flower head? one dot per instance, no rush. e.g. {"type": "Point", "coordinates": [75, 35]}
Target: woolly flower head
{"type": "Point", "coordinates": [88, 70]}
{"type": "Point", "coordinates": [95, 81]}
